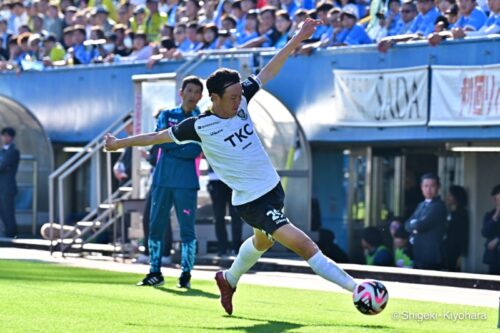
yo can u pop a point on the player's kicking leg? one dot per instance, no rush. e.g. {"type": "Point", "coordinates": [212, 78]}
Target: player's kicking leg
{"type": "Point", "coordinates": [250, 252]}
{"type": "Point", "coordinates": [297, 241]}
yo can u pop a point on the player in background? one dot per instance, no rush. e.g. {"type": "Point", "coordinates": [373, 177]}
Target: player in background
{"type": "Point", "coordinates": [233, 149]}
{"type": "Point", "coordinates": [175, 183]}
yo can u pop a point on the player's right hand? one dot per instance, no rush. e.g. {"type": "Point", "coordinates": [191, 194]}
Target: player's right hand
{"type": "Point", "coordinates": [110, 143]}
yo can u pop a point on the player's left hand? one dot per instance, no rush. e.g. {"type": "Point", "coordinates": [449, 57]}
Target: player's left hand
{"type": "Point", "coordinates": [110, 143]}
{"type": "Point", "coordinates": [307, 29]}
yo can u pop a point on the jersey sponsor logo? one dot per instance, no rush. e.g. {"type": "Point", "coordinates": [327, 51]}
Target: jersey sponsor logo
{"type": "Point", "coordinates": [216, 132]}
{"type": "Point", "coordinates": [240, 135]}
{"type": "Point", "coordinates": [276, 215]}
{"type": "Point", "coordinates": [208, 125]}
{"type": "Point", "coordinates": [242, 114]}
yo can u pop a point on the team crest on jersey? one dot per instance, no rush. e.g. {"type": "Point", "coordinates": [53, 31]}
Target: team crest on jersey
{"type": "Point", "coordinates": [242, 114]}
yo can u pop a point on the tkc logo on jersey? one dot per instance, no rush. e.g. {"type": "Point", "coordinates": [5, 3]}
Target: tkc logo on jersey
{"type": "Point", "coordinates": [239, 136]}
{"type": "Point", "coordinates": [276, 215]}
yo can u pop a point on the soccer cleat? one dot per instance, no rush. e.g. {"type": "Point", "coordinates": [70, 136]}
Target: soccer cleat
{"type": "Point", "coordinates": [226, 292]}
{"type": "Point", "coordinates": [184, 280]}
{"type": "Point", "coordinates": [153, 280]}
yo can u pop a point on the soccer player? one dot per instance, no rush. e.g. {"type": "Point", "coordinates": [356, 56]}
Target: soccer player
{"type": "Point", "coordinates": [228, 139]}
{"type": "Point", "coordinates": [175, 183]}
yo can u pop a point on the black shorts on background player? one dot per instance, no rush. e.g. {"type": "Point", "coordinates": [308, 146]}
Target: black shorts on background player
{"type": "Point", "coordinates": [265, 213]}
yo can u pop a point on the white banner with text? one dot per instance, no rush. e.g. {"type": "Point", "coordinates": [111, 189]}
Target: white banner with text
{"type": "Point", "coordinates": [381, 98]}
{"type": "Point", "coordinates": [465, 96]}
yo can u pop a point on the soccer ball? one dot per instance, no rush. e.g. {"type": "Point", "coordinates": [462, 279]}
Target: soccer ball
{"type": "Point", "coordinates": [370, 297]}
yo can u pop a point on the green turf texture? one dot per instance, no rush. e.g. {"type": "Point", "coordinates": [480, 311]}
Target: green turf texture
{"type": "Point", "coordinates": [41, 297]}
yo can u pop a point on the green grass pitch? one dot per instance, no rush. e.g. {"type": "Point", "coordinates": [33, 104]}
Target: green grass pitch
{"type": "Point", "coordinates": [40, 297]}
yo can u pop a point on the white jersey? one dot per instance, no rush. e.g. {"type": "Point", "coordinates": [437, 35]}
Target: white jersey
{"type": "Point", "coordinates": [232, 148]}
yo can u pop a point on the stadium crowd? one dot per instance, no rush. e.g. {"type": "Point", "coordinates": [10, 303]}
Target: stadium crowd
{"type": "Point", "coordinates": [36, 34]}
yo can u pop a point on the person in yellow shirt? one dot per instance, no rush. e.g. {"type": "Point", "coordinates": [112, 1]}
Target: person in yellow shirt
{"type": "Point", "coordinates": [154, 21]}
{"type": "Point", "coordinates": [138, 21]}
{"type": "Point", "coordinates": [54, 51]}
{"type": "Point", "coordinates": [109, 6]}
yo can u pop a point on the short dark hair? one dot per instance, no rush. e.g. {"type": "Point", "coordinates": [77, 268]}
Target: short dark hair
{"type": "Point", "coordinates": [432, 176]}
{"type": "Point", "coordinates": [193, 80]}
{"type": "Point", "coordinates": [324, 7]}
{"type": "Point", "coordinates": [458, 192]}
{"type": "Point", "coordinates": [495, 190]}
{"type": "Point", "coordinates": [222, 78]}
{"type": "Point", "coordinates": [8, 131]}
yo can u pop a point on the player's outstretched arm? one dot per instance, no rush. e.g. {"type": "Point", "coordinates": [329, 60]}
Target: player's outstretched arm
{"type": "Point", "coordinates": [111, 143]}
{"type": "Point", "coordinates": [274, 65]}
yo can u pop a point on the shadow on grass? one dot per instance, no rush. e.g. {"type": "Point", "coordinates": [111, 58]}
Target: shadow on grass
{"type": "Point", "coordinates": [188, 292]}
{"type": "Point", "coordinates": [262, 326]}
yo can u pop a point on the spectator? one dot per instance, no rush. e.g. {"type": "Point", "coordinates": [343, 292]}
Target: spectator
{"type": "Point", "coordinates": [69, 16]}
{"type": "Point", "coordinates": [168, 50]}
{"type": "Point", "coordinates": [171, 10]}
{"type": "Point", "coordinates": [268, 35]}
{"type": "Point", "coordinates": [250, 30]}
{"type": "Point", "coordinates": [327, 245]}
{"type": "Point", "coordinates": [9, 162]}
{"type": "Point", "coordinates": [68, 38]}
{"type": "Point", "coordinates": [491, 231]}
{"type": "Point", "coordinates": [101, 18]}
{"type": "Point", "coordinates": [322, 9]}
{"type": "Point", "coordinates": [37, 22]}
{"type": "Point", "coordinates": [220, 194]}
{"type": "Point", "coordinates": [228, 22]}
{"type": "Point", "coordinates": [451, 14]}
{"type": "Point", "coordinates": [472, 18]}
{"type": "Point", "coordinates": [53, 22]}
{"type": "Point", "coordinates": [238, 14]}
{"type": "Point", "coordinates": [108, 4]}
{"type": "Point", "coordinates": [421, 27]}
{"type": "Point", "coordinates": [380, 31]}
{"type": "Point", "coordinates": [427, 226]}
{"type": "Point", "coordinates": [191, 34]}
{"type": "Point", "coordinates": [376, 253]}
{"type": "Point", "coordinates": [408, 12]}
{"type": "Point", "coordinates": [183, 43]}
{"type": "Point", "coordinates": [457, 228]}
{"type": "Point", "coordinates": [192, 8]}
{"type": "Point", "coordinates": [208, 13]}
{"type": "Point", "coordinates": [82, 56]}
{"type": "Point", "coordinates": [392, 16]}
{"type": "Point", "coordinates": [5, 37]}
{"type": "Point", "coordinates": [353, 33]}
{"type": "Point", "coordinates": [491, 26]}
{"type": "Point", "coordinates": [283, 26]}
{"type": "Point", "coordinates": [210, 37]}
{"type": "Point", "coordinates": [444, 5]}
{"type": "Point", "coordinates": [138, 21]}
{"type": "Point", "coordinates": [118, 40]}
{"type": "Point", "coordinates": [141, 49]}
{"type": "Point", "coordinates": [300, 16]}
{"type": "Point", "coordinates": [124, 15]}
{"type": "Point", "coordinates": [402, 250]}
{"type": "Point", "coordinates": [247, 6]}
{"type": "Point", "coordinates": [331, 37]}
{"type": "Point", "coordinates": [18, 17]}
{"type": "Point", "coordinates": [53, 51]}
{"type": "Point", "coordinates": [154, 21]}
